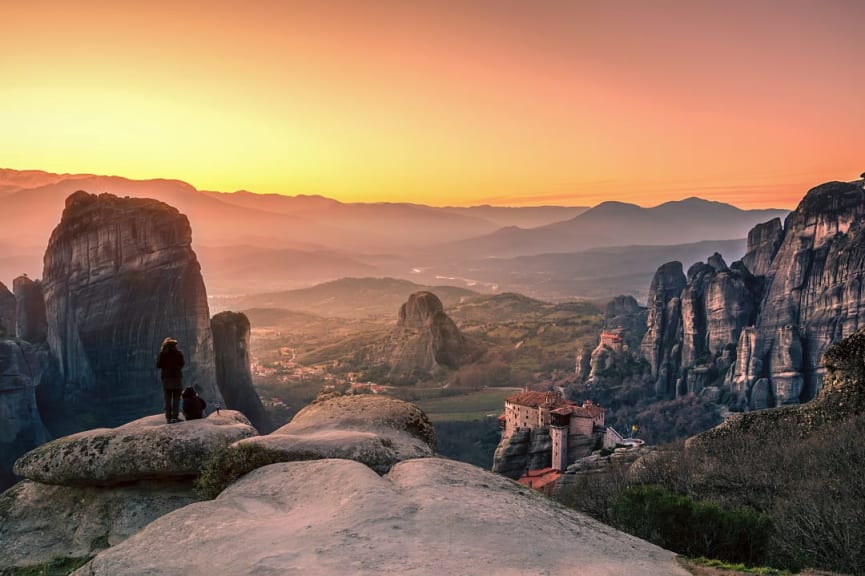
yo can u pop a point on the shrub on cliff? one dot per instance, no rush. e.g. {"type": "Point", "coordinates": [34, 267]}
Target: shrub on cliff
{"type": "Point", "coordinates": [693, 528]}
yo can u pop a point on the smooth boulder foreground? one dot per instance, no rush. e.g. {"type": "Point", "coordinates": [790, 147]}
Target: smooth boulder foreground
{"type": "Point", "coordinates": [373, 430]}
{"type": "Point", "coordinates": [426, 516]}
{"type": "Point", "coordinates": [143, 449]}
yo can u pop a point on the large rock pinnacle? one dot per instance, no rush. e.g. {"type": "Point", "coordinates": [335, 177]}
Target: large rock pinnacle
{"type": "Point", "coordinates": [120, 275]}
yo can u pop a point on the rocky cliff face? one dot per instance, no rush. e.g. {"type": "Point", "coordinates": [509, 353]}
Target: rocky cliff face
{"type": "Point", "coordinates": [661, 345]}
{"type": "Point", "coordinates": [625, 314]}
{"type": "Point", "coordinates": [761, 326]}
{"type": "Point", "coordinates": [31, 321]}
{"type": "Point", "coordinates": [425, 338]}
{"type": "Point", "coordinates": [8, 315]}
{"type": "Point", "coordinates": [120, 275]}
{"type": "Point", "coordinates": [233, 374]}
{"type": "Point", "coordinates": [21, 427]}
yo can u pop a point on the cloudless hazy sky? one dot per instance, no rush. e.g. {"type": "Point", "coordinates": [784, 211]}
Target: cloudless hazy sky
{"type": "Point", "coordinates": [442, 101]}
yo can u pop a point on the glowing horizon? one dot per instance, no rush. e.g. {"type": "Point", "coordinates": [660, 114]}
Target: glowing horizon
{"type": "Point", "coordinates": [442, 103]}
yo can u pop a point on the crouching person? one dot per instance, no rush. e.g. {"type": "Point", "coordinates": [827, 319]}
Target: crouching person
{"type": "Point", "coordinates": [193, 404]}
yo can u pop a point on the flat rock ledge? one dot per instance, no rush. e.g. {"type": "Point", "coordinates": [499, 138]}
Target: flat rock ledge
{"type": "Point", "coordinates": [372, 430]}
{"type": "Point", "coordinates": [428, 516]}
{"type": "Point", "coordinates": [143, 449]}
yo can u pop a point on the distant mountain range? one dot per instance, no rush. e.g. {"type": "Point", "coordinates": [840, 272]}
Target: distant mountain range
{"type": "Point", "coordinates": [620, 224]}
{"type": "Point", "coordinates": [253, 243]}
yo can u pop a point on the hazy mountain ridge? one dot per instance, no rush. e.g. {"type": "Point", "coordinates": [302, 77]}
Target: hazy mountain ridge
{"type": "Point", "coordinates": [347, 297]}
{"type": "Point", "coordinates": [262, 242]}
{"type": "Point", "coordinates": [621, 224]}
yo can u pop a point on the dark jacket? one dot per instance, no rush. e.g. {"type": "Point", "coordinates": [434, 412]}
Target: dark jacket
{"type": "Point", "coordinates": [170, 361]}
{"type": "Point", "coordinates": [192, 404]}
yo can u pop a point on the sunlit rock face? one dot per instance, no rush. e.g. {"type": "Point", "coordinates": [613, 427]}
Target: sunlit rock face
{"type": "Point", "coordinates": [426, 339]}
{"type": "Point", "coordinates": [120, 276]}
{"type": "Point", "coordinates": [21, 427]}
{"type": "Point", "coordinates": [814, 293]}
{"type": "Point", "coordinates": [233, 373]}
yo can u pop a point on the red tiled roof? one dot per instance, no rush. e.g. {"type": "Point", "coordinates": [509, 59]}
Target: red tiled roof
{"type": "Point", "coordinates": [539, 479]}
{"type": "Point", "coordinates": [585, 411]}
{"type": "Point", "coordinates": [535, 399]}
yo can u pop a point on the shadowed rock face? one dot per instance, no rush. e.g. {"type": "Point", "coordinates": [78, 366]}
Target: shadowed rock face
{"type": "Point", "coordinates": [814, 294]}
{"type": "Point", "coordinates": [427, 516]}
{"type": "Point", "coordinates": [31, 321]}
{"type": "Point", "coordinates": [21, 427]}
{"type": "Point", "coordinates": [120, 275]}
{"type": "Point", "coordinates": [233, 374]}
{"type": "Point", "coordinates": [761, 326]}
{"type": "Point", "coordinates": [662, 343]}
{"type": "Point", "coordinates": [8, 314]}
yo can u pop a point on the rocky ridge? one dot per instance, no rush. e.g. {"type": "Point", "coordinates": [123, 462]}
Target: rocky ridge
{"type": "Point", "coordinates": [760, 327]}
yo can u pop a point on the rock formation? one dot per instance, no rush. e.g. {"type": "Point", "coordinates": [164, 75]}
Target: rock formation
{"type": "Point", "coordinates": [662, 343]}
{"type": "Point", "coordinates": [525, 449]}
{"type": "Point", "coordinates": [144, 449]}
{"type": "Point", "coordinates": [761, 326]}
{"type": "Point", "coordinates": [120, 275]}
{"type": "Point", "coordinates": [427, 516]}
{"type": "Point", "coordinates": [88, 491]}
{"type": "Point", "coordinates": [8, 314]}
{"type": "Point", "coordinates": [21, 427]}
{"type": "Point", "coordinates": [31, 321]}
{"type": "Point", "coordinates": [426, 339]}
{"type": "Point", "coordinates": [625, 314]}
{"type": "Point", "coordinates": [373, 430]}
{"type": "Point", "coordinates": [233, 373]}
{"type": "Point", "coordinates": [41, 522]}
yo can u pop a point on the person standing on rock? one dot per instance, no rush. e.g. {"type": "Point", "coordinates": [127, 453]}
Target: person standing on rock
{"type": "Point", "coordinates": [170, 362]}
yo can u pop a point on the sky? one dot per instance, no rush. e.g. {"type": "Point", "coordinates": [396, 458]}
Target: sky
{"type": "Point", "coordinates": [443, 102]}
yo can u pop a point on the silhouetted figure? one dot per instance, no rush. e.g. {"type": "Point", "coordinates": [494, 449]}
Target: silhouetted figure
{"type": "Point", "coordinates": [192, 404]}
{"type": "Point", "coordinates": [170, 361]}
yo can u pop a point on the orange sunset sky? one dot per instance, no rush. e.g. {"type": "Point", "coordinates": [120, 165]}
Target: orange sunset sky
{"type": "Point", "coordinates": [442, 101]}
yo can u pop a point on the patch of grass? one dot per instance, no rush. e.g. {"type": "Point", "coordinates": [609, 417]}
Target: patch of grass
{"type": "Point", "coordinates": [739, 567]}
{"type": "Point", "coordinates": [229, 463]}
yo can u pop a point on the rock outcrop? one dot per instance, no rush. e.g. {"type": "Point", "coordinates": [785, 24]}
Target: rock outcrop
{"type": "Point", "coordinates": [41, 522]}
{"type": "Point", "coordinates": [21, 427]}
{"type": "Point", "coordinates": [373, 430]}
{"type": "Point", "coordinates": [120, 275]}
{"type": "Point", "coordinates": [145, 449]}
{"type": "Point", "coordinates": [761, 326]}
{"type": "Point", "coordinates": [31, 321]}
{"type": "Point", "coordinates": [426, 339]}
{"type": "Point", "coordinates": [427, 516]}
{"type": "Point", "coordinates": [841, 398]}
{"type": "Point", "coordinates": [8, 314]}
{"type": "Point", "coordinates": [233, 373]}
{"type": "Point", "coordinates": [625, 314]}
